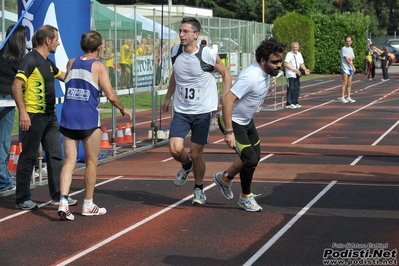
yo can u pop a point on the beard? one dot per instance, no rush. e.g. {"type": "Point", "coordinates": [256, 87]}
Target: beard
{"type": "Point", "coordinates": [274, 72]}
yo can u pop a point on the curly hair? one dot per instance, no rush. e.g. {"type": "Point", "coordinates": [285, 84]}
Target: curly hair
{"type": "Point", "coordinates": [269, 47]}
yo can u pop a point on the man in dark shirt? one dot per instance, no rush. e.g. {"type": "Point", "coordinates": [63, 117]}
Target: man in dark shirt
{"type": "Point", "coordinates": [34, 94]}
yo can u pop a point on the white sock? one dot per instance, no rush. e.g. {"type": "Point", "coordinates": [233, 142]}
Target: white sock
{"type": "Point", "coordinates": [88, 202]}
{"type": "Point", "coordinates": [64, 199]}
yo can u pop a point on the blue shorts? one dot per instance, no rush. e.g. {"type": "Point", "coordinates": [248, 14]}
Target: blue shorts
{"type": "Point", "coordinates": [199, 124]}
{"type": "Point", "coordinates": [349, 72]}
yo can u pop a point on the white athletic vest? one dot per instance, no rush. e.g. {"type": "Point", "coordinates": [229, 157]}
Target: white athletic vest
{"type": "Point", "coordinates": [196, 90]}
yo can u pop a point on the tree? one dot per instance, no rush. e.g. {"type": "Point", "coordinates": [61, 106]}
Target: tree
{"type": "Point", "coordinates": [384, 14]}
{"type": "Point", "coordinates": [246, 9]}
{"type": "Point", "coordinates": [206, 3]}
{"type": "Point", "coordinates": [294, 27]}
{"type": "Point", "coordinates": [274, 9]}
{"type": "Point", "coordinates": [325, 7]}
{"type": "Point", "coordinates": [303, 7]}
{"type": "Point", "coordinates": [393, 21]}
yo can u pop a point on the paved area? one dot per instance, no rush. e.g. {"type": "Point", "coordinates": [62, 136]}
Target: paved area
{"type": "Point", "coordinates": [327, 182]}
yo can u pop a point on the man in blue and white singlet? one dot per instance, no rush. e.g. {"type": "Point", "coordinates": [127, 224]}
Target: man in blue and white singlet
{"type": "Point", "coordinates": [195, 99]}
{"type": "Point", "coordinates": [347, 70]}
{"type": "Point", "coordinates": [80, 120]}
{"type": "Point", "coordinates": [240, 104]}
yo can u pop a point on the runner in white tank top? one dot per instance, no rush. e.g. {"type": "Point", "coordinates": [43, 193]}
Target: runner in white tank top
{"type": "Point", "coordinates": [195, 98]}
{"type": "Point", "coordinates": [196, 90]}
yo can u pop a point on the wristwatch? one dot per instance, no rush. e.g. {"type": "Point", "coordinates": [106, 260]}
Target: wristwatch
{"type": "Point", "coordinates": [228, 132]}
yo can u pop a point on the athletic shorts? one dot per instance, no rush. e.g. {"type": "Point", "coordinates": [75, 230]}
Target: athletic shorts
{"type": "Point", "coordinates": [245, 135]}
{"type": "Point", "coordinates": [199, 124]}
{"type": "Point", "coordinates": [77, 134]}
{"type": "Point", "coordinates": [349, 72]}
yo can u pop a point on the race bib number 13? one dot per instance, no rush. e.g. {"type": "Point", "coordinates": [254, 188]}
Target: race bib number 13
{"type": "Point", "coordinates": [189, 94]}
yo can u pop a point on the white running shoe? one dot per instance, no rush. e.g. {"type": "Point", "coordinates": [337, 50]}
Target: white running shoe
{"type": "Point", "coordinates": [182, 176]}
{"type": "Point", "coordinates": [350, 100]}
{"type": "Point", "coordinates": [37, 172]}
{"type": "Point", "coordinates": [249, 203]}
{"type": "Point", "coordinates": [343, 100]}
{"type": "Point", "coordinates": [225, 188]}
{"type": "Point", "coordinates": [199, 196]}
{"type": "Point", "coordinates": [92, 210]}
{"type": "Point", "coordinates": [63, 211]}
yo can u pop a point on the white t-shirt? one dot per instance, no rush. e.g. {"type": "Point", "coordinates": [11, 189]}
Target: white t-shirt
{"type": "Point", "coordinates": [196, 90]}
{"type": "Point", "coordinates": [251, 88]}
{"type": "Point", "coordinates": [290, 59]}
{"type": "Point", "coordinates": [348, 52]}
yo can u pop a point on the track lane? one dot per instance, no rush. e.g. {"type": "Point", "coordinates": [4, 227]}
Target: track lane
{"type": "Point", "coordinates": [213, 234]}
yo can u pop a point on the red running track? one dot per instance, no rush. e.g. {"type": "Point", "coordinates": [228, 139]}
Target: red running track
{"type": "Point", "coordinates": [328, 176]}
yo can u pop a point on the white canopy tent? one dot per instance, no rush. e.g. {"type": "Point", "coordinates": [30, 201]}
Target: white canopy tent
{"type": "Point", "coordinates": [148, 25]}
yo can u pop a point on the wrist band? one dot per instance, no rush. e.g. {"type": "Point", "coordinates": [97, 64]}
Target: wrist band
{"type": "Point", "coordinates": [228, 132]}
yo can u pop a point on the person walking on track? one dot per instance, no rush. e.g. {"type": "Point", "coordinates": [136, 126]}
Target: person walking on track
{"type": "Point", "coordinates": [195, 99]}
{"type": "Point", "coordinates": [236, 121]}
{"type": "Point", "coordinates": [80, 120]}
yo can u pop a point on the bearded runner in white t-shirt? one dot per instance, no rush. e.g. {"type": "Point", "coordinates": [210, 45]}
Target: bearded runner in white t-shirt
{"type": "Point", "coordinates": [236, 121]}
{"type": "Point", "coordinates": [195, 99]}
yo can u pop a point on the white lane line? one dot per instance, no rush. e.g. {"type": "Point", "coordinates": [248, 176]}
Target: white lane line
{"type": "Point", "coordinates": [48, 202]}
{"type": "Point", "coordinates": [266, 157]}
{"type": "Point", "coordinates": [386, 133]}
{"type": "Point", "coordinates": [356, 160]}
{"type": "Point", "coordinates": [307, 110]}
{"type": "Point", "coordinates": [376, 142]}
{"type": "Point", "coordinates": [275, 121]}
{"type": "Point", "coordinates": [170, 158]}
{"type": "Point", "coordinates": [148, 122]}
{"type": "Point", "coordinates": [283, 230]}
{"type": "Point", "coordinates": [318, 83]}
{"type": "Point", "coordinates": [145, 122]}
{"type": "Point", "coordinates": [288, 116]}
{"type": "Point", "coordinates": [335, 121]}
{"type": "Point", "coordinates": [295, 114]}
{"type": "Point", "coordinates": [127, 230]}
